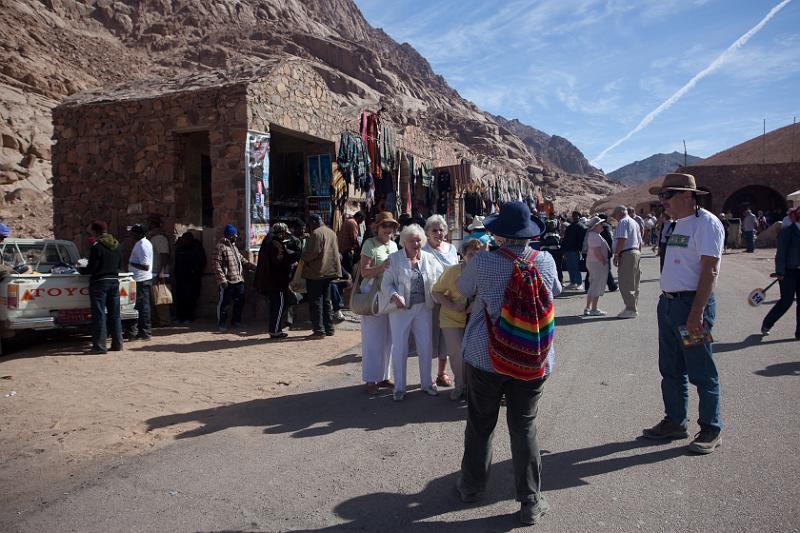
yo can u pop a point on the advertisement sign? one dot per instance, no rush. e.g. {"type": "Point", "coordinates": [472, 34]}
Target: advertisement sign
{"type": "Point", "coordinates": [257, 189]}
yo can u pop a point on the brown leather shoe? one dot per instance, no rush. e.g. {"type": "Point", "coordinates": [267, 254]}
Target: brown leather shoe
{"type": "Point", "coordinates": [372, 389]}
{"type": "Point", "coordinates": [386, 384]}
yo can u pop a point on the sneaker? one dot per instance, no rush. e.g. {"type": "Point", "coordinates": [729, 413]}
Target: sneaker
{"type": "Point", "coordinates": [222, 329]}
{"type": "Point", "coordinates": [432, 391]}
{"type": "Point", "coordinates": [627, 313]}
{"type": "Point", "coordinates": [339, 317]}
{"type": "Point", "coordinates": [587, 312]}
{"type": "Point", "coordinates": [597, 312]}
{"type": "Point", "coordinates": [666, 430]}
{"type": "Point", "coordinates": [317, 335]}
{"type": "Point", "coordinates": [329, 333]}
{"type": "Point", "coordinates": [398, 396]}
{"type": "Point", "coordinates": [386, 384]}
{"type": "Point", "coordinates": [96, 350]}
{"type": "Point", "coordinates": [530, 513]}
{"type": "Point", "coordinates": [764, 331]}
{"type": "Point", "coordinates": [705, 441]}
{"type": "Point", "coordinates": [281, 335]}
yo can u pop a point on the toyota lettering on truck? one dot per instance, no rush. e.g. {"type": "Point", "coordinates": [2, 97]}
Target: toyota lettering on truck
{"type": "Point", "coordinates": [45, 289]}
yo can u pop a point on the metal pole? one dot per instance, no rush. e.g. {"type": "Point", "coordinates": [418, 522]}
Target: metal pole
{"type": "Point", "coordinates": [794, 131]}
{"type": "Point", "coordinates": [764, 144]}
{"type": "Point", "coordinates": [684, 153]}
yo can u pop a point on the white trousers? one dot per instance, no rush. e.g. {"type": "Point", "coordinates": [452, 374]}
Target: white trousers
{"type": "Point", "coordinates": [376, 347]}
{"type": "Point", "coordinates": [416, 320]}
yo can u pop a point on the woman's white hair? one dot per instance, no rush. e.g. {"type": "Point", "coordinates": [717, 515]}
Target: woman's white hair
{"type": "Point", "coordinates": [436, 221]}
{"type": "Point", "coordinates": [413, 230]}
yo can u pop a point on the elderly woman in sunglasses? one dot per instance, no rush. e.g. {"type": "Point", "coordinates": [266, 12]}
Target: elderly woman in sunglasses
{"type": "Point", "coordinates": [447, 255]}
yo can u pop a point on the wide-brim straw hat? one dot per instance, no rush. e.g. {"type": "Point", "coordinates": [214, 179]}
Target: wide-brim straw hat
{"type": "Point", "coordinates": [677, 182]}
{"type": "Point", "coordinates": [514, 222]}
{"type": "Point", "coordinates": [593, 222]}
{"type": "Point", "coordinates": [385, 217]}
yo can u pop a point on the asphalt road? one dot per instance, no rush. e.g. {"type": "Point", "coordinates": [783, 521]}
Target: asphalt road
{"type": "Point", "coordinates": [329, 458]}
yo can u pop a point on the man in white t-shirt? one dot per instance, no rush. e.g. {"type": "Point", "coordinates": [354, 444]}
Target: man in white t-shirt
{"type": "Point", "coordinates": [141, 265]}
{"type": "Point", "coordinates": [686, 313]}
{"type": "Point", "coordinates": [627, 253]}
{"type": "Point", "coordinates": [160, 265]}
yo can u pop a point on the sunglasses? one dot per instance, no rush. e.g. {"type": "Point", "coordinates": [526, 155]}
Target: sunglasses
{"type": "Point", "coordinates": [666, 195]}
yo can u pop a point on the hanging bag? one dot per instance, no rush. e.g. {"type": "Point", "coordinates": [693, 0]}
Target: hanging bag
{"type": "Point", "coordinates": [298, 283]}
{"type": "Point", "coordinates": [161, 293]}
{"type": "Point", "coordinates": [365, 303]}
{"type": "Point", "coordinates": [522, 335]}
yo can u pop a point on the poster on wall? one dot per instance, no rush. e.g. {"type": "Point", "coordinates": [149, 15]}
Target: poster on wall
{"type": "Point", "coordinates": [257, 177]}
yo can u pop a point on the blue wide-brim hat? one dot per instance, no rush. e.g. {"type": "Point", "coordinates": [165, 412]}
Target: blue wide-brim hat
{"type": "Point", "coordinates": [514, 222]}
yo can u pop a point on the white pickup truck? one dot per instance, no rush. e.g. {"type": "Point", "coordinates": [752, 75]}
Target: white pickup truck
{"type": "Point", "coordinates": [45, 290]}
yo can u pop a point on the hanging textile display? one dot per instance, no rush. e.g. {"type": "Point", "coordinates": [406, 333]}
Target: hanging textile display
{"type": "Point", "coordinates": [320, 185]}
{"type": "Point", "coordinates": [354, 161]}
{"type": "Point", "coordinates": [388, 148]}
{"type": "Point", "coordinates": [369, 135]}
{"type": "Point", "coordinates": [339, 188]}
{"type": "Point", "coordinates": [257, 189]}
{"type": "Point", "coordinates": [443, 187]}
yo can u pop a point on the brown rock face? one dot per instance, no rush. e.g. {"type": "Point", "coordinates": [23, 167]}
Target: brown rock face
{"type": "Point", "coordinates": [54, 48]}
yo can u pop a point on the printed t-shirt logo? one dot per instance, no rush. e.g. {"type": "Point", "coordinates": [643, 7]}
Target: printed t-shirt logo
{"type": "Point", "coordinates": [681, 241]}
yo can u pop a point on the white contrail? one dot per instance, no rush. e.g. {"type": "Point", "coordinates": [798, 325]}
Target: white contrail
{"type": "Point", "coordinates": [741, 41]}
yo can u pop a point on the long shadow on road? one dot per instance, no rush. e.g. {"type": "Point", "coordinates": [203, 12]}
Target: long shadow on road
{"type": "Point", "coordinates": [311, 414]}
{"type": "Point", "coordinates": [755, 339]}
{"type": "Point", "coordinates": [384, 511]}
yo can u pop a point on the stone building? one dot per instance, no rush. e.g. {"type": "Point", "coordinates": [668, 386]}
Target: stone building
{"type": "Point", "coordinates": [178, 148]}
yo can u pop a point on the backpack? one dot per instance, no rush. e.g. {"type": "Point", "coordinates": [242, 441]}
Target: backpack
{"type": "Point", "coordinates": [521, 337]}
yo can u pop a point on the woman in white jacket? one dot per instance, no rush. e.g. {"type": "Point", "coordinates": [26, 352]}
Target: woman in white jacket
{"type": "Point", "coordinates": [406, 291]}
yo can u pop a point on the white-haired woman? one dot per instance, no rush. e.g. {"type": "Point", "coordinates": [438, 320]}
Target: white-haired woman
{"type": "Point", "coordinates": [406, 286]}
{"type": "Point", "coordinates": [597, 266]}
{"type": "Point", "coordinates": [447, 255]}
{"type": "Point", "coordinates": [376, 342]}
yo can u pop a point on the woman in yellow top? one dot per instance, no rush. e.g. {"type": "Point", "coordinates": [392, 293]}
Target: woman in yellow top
{"type": "Point", "coordinates": [453, 317]}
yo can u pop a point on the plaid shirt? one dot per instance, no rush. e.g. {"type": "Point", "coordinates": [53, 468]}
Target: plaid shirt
{"type": "Point", "coordinates": [229, 263]}
{"type": "Point", "coordinates": [485, 278]}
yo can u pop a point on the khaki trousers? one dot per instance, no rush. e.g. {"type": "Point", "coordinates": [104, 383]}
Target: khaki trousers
{"type": "Point", "coordinates": [629, 275]}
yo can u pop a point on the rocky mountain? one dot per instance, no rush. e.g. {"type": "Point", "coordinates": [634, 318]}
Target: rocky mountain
{"type": "Point", "coordinates": [51, 49]}
{"type": "Point", "coordinates": [652, 167]}
{"type": "Point", "coordinates": [551, 150]}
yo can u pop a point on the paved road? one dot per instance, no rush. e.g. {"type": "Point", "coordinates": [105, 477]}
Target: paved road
{"type": "Point", "coordinates": [331, 459]}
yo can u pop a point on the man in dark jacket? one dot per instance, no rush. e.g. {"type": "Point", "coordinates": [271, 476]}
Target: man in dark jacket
{"type": "Point", "coordinates": [190, 263]}
{"type": "Point", "coordinates": [105, 263]}
{"type": "Point", "coordinates": [787, 271]}
{"type": "Point", "coordinates": [321, 266]}
{"type": "Point", "coordinates": [571, 248]}
{"type": "Point", "coordinates": [608, 235]}
{"type": "Point", "coordinates": [273, 274]}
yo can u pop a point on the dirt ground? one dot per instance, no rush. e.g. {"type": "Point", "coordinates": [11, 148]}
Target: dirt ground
{"type": "Point", "coordinates": [62, 410]}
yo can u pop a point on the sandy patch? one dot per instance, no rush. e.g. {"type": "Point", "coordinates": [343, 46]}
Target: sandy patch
{"type": "Point", "coordinates": [70, 409]}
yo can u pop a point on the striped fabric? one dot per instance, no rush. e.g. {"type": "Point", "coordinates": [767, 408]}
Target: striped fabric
{"type": "Point", "coordinates": [521, 337]}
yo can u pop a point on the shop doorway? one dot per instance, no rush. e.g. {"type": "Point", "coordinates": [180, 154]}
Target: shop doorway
{"type": "Point", "coordinates": [194, 201]}
{"type": "Point", "coordinates": [756, 198]}
{"type": "Point", "coordinates": [299, 175]}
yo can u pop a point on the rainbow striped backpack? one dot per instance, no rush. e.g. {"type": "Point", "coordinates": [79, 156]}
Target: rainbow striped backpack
{"type": "Point", "coordinates": [523, 334]}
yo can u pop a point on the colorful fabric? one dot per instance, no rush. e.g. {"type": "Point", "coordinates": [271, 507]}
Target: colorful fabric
{"type": "Point", "coordinates": [520, 339]}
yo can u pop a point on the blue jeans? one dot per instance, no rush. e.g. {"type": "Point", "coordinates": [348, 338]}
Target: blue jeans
{"type": "Point", "coordinates": [232, 293]}
{"type": "Point", "coordinates": [749, 240]}
{"type": "Point", "coordinates": [680, 365]}
{"type": "Point", "coordinates": [104, 301]}
{"type": "Point", "coordinates": [573, 267]}
{"type": "Point", "coordinates": [142, 327]}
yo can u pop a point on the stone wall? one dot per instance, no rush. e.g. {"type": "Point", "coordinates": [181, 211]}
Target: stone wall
{"type": "Point", "coordinates": [118, 161]}
{"type": "Point", "coordinates": [725, 180]}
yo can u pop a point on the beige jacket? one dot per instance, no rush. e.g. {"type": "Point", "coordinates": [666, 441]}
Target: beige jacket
{"type": "Point", "coordinates": [321, 255]}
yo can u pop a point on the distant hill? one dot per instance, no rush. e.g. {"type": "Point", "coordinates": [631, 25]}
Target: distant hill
{"type": "Point", "coordinates": [652, 167]}
{"type": "Point", "coordinates": [551, 150]}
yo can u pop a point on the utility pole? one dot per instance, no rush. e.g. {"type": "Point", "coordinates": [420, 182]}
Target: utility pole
{"type": "Point", "coordinates": [685, 162]}
{"type": "Point", "coordinates": [794, 134]}
{"type": "Point", "coordinates": [764, 144]}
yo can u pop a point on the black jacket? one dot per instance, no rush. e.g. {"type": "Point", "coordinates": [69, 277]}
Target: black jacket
{"type": "Point", "coordinates": [573, 238]}
{"type": "Point", "coordinates": [105, 259]}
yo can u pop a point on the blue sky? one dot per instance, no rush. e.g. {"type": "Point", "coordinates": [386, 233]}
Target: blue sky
{"type": "Point", "coordinates": [591, 70]}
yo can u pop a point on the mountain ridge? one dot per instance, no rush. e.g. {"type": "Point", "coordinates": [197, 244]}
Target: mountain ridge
{"type": "Point", "coordinates": [651, 167]}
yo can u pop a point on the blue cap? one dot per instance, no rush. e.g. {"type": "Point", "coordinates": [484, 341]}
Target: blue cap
{"type": "Point", "coordinates": [5, 231]}
{"type": "Point", "coordinates": [230, 230]}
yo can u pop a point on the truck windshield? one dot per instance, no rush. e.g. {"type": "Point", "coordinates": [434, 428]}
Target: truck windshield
{"type": "Point", "coordinates": [41, 257]}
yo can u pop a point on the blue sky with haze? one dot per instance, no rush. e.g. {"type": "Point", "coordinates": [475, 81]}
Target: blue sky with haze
{"type": "Point", "coordinates": [592, 70]}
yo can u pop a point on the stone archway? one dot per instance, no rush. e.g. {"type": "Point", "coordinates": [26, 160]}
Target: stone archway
{"type": "Point", "coordinates": [756, 198]}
